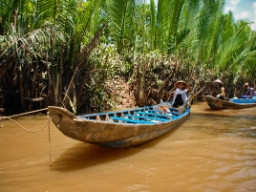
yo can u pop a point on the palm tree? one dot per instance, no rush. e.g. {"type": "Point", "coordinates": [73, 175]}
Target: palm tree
{"type": "Point", "coordinates": [47, 45]}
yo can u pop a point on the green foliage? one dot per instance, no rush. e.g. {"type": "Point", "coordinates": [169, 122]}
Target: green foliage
{"type": "Point", "coordinates": [143, 42]}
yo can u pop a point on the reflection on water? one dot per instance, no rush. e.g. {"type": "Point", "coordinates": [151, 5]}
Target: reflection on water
{"type": "Point", "coordinates": [82, 155]}
{"type": "Point", "coordinates": [212, 151]}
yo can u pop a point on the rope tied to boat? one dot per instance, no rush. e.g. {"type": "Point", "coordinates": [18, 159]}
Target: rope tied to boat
{"type": "Point", "coordinates": [9, 118]}
{"type": "Point", "coordinates": [3, 118]}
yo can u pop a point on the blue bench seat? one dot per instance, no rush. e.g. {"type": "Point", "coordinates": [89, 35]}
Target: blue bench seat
{"type": "Point", "coordinates": [147, 117]}
{"type": "Point", "coordinates": [154, 114]}
{"type": "Point", "coordinates": [131, 120]}
{"type": "Point", "coordinates": [159, 111]}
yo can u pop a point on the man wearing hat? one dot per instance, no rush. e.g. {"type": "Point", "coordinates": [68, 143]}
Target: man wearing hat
{"type": "Point", "coordinates": [219, 90]}
{"type": "Point", "coordinates": [180, 94]}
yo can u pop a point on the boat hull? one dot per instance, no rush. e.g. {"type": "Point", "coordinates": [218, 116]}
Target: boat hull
{"type": "Point", "coordinates": [111, 134]}
{"type": "Point", "coordinates": [141, 139]}
{"type": "Point", "coordinates": [216, 103]}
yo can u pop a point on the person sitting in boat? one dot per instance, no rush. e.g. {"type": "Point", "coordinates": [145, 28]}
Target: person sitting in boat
{"type": "Point", "coordinates": [248, 93]}
{"type": "Point", "coordinates": [253, 93]}
{"type": "Point", "coordinates": [180, 94]}
{"type": "Point", "coordinates": [219, 90]}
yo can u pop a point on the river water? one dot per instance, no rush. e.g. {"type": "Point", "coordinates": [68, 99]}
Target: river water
{"type": "Point", "coordinates": [212, 151]}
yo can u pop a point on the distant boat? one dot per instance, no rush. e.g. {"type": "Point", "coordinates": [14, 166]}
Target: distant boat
{"type": "Point", "coordinates": [216, 103]}
{"type": "Point", "coordinates": [118, 129]}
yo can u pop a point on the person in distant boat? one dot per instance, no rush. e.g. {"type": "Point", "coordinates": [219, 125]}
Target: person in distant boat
{"type": "Point", "coordinates": [248, 93]}
{"type": "Point", "coordinates": [180, 94]}
{"type": "Point", "coordinates": [253, 93]}
{"type": "Point", "coordinates": [219, 90]}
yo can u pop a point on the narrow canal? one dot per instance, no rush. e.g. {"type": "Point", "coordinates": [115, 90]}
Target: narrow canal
{"type": "Point", "coordinates": [212, 151]}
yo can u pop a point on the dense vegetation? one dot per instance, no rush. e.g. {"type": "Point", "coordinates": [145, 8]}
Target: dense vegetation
{"type": "Point", "coordinates": [64, 51]}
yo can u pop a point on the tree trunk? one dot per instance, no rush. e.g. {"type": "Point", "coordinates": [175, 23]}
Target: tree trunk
{"type": "Point", "coordinates": [51, 92]}
{"type": "Point", "coordinates": [15, 15]}
{"type": "Point", "coordinates": [59, 97]}
{"type": "Point", "coordinates": [80, 90]}
{"type": "Point", "coordinates": [21, 92]}
{"type": "Point", "coordinates": [83, 57]}
{"type": "Point", "coordinates": [33, 86]}
{"type": "Point", "coordinates": [5, 65]}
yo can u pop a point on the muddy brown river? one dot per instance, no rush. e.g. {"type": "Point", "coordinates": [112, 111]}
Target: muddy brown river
{"type": "Point", "coordinates": [212, 151]}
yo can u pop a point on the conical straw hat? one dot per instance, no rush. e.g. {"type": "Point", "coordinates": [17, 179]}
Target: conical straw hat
{"type": "Point", "coordinates": [217, 81]}
{"type": "Point", "coordinates": [178, 82]}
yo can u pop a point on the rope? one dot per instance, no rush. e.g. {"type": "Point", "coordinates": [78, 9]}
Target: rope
{"type": "Point", "coordinates": [50, 144]}
{"type": "Point", "coordinates": [48, 122]}
{"type": "Point", "coordinates": [21, 114]}
{"type": "Point", "coordinates": [1, 119]}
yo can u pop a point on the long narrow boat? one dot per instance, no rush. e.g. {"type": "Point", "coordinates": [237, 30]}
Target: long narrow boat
{"type": "Point", "coordinates": [118, 129]}
{"type": "Point", "coordinates": [216, 103]}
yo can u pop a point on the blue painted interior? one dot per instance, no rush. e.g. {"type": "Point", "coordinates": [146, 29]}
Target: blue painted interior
{"type": "Point", "coordinates": [243, 101]}
{"type": "Point", "coordinates": [154, 113]}
{"type": "Point", "coordinates": [133, 121]}
{"type": "Point", "coordinates": [145, 115]}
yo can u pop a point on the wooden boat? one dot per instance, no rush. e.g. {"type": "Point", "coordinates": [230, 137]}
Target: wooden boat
{"type": "Point", "coordinates": [216, 103]}
{"type": "Point", "coordinates": [119, 129]}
